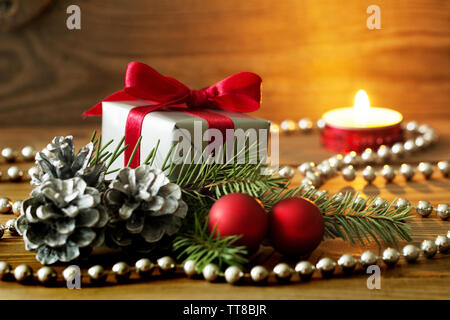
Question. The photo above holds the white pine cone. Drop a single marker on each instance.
(60, 218)
(144, 206)
(58, 160)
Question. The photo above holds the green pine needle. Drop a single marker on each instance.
(382, 224)
(201, 246)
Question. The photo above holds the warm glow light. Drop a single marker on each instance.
(362, 115)
(361, 108)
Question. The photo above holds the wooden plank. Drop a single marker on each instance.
(312, 54)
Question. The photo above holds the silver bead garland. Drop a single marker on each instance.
(258, 274)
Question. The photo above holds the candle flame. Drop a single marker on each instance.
(361, 108)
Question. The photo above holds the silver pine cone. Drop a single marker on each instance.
(144, 206)
(58, 160)
(61, 219)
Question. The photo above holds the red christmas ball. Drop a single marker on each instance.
(296, 226)
(240, 214)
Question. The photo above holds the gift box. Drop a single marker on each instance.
(163, 127)
(155, 110)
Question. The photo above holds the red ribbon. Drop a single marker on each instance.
(240, 92)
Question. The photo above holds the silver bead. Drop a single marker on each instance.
(337, 161)
(379, 203)
(144, 267)
(326, 266)
(397, 150)
(314, 177)
(409, 146)
(9, 154)
(428, 248)
(287, 126)
(384, 153)
(70, 272)
(444, 167)
(424, 208)
(368, 258)
(349, 173)
(426, 169)
(23, 273)
(305, 125)
(259, 274)
(10, 225)
(420, 142)
(16, 207)
(431, 137)
(2, 231)
(368, 156)
(233, 274)
(305, 167)
(407, 171)
(442, 243)
(306, 183)
(358, 203)
(166, 265)
(390, 256)
(320, 124)
(210, 272)
(412, 126)
(442, 211)
(411, 253)
(305, 270)
(14, 174)
(189, 268)
(97, 273)
(352, 158)
(5, 270)
(322, 194)
(286, 172)
(369, 174)
(327, 171)
(337, 198)
(402, 203)
(347, 262)
(283, 272)
(424, 128)
(121, 270)
(5, 205)
(388, 173)
(28, 153)
(33, 171)
(46, 275)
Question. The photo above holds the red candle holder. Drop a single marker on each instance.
(344, 140)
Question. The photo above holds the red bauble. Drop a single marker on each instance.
(296, 226)
(240, 214)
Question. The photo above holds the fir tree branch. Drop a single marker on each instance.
(382, 224)
(201, 246)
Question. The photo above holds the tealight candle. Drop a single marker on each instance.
(361, 126)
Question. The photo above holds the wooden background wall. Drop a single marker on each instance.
(312, 54)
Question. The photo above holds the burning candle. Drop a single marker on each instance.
(361, 126)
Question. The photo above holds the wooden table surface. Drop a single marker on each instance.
(427, 279)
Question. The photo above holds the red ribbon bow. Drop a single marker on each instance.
(240, 92)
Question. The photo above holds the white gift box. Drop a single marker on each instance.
(167, 127)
